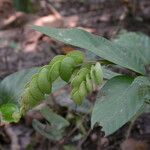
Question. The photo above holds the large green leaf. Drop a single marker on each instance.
(98, 45)
(122, 97)
(136, 42)
(13, 85)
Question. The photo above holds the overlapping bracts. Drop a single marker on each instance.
(70, 69)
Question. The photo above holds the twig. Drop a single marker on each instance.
(53, 10)
(13, 137)
(76, 127)
(83, 140)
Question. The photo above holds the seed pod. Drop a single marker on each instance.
(66, 68)
(77, 56)
(83, 71)
(76, 81)
(53, 73)
(43, 83)
(80, 77)
(36, 93)
(92, 75)
(56, 59)
(98, 73)
(28, 101)
(77, 98)
(74, 74)
(89, 84)
(82, 89)
(73, 91)
(53, 68)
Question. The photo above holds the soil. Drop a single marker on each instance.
(21, 47)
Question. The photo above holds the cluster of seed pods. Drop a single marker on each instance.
(70, 69)
(84, 81)
(41, 82)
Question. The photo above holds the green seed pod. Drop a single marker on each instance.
(53, 68)
(92, 75)
(78, 56)
(53, 73)
(83, 71)
(73, 91)
(37, 94)
(79, 86)
(82, 89)
(89, 84)
(98, 73)
(43, 83)
(76, 81)
(66, 68)
(80, 77)
(77, 98)
(56, 59)
(74, 74)
(28, 101)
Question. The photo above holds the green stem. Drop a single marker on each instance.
(103, 62)
(147, 102)
(130, 127)
(133, 121)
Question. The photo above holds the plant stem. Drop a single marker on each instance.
(130, 127)
(103, 62)
(133, 121)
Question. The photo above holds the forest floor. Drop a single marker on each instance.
(21, 48)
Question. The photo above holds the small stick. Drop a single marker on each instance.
(13, 137)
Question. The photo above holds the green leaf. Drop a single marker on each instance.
(23, 5)
(13, 85)
(108, 74)
(136, 42)
(55, 129)
(90, 56)
(66, 68)
(122, 97)
(77, 56)
(6, 112)
(46, 130)
(98, 45)
(11, 88)
(54, 119)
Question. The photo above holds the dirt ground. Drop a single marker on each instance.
(21, 47)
